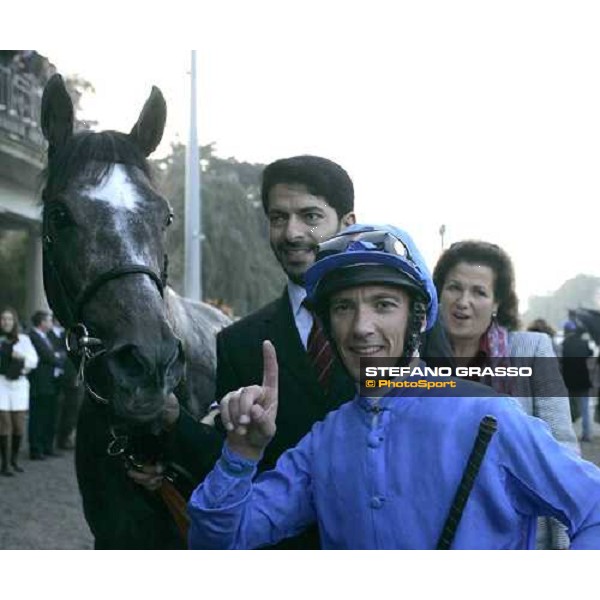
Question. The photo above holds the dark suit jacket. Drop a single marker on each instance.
(302, 401)
(69, 374)
(42, 378)
(575, 371)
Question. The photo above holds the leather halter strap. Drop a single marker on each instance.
(96, 284)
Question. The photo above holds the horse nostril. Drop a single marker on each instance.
(133, 369)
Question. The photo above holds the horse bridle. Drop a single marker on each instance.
(85, 348)
(82, 347)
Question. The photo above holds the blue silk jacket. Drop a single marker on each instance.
(382, 473)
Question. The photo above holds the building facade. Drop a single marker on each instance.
(22, 158)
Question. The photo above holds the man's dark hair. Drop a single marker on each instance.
(492, 256)
(39, 316)
(322, 177)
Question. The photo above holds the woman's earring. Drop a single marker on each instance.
(494, 315)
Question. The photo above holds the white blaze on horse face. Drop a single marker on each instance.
(118, 190)
(123, 200)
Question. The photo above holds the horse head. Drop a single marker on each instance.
(104, 225)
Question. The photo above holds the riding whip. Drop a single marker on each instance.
(487, 428)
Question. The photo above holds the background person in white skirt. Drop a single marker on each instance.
(17, 358)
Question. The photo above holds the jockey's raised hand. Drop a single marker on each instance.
(249, 413)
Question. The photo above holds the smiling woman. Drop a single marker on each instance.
(469, 305)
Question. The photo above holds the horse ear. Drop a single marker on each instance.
(148, 130)
(57, 113)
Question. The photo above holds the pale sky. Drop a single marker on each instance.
(486, 119)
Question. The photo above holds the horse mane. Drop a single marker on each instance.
(92, 154)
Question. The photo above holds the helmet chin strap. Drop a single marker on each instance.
(414, 329)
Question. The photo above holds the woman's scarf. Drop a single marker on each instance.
(494, 351)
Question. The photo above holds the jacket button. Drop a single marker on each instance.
(376, 502)
(374, 441)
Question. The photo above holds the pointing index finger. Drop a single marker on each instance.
(270, 369)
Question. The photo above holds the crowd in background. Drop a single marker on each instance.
(39, 391)
(580, 365)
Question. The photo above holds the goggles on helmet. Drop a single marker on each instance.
(380, 241)
(352, 255)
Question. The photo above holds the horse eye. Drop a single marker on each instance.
(169, 220)
(59, 217)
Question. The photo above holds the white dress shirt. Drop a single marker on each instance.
(302, 316)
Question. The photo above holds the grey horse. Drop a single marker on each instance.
(133, 339)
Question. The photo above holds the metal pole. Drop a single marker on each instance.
(193, 202)
(442, 232)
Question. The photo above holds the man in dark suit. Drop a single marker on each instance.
(307, 200)
(575, 352)
(44, 382)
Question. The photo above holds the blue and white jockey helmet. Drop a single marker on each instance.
(371, 255)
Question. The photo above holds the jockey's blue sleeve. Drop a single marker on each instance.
(229, 511)
(543, 477)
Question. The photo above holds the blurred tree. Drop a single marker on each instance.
(238, 266)
(77, 86)
(13, 254)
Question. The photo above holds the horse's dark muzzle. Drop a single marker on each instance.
(141, 379)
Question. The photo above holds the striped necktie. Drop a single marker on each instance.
(320, 352)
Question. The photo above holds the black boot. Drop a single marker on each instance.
(14, 453)
(5, 471)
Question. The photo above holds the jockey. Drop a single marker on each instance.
(382, 472)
